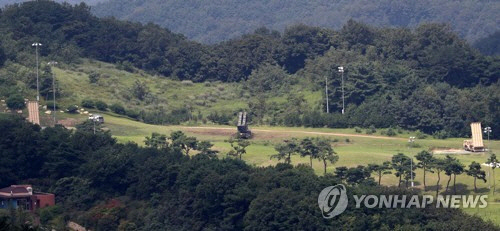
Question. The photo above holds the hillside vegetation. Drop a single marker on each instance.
(425, 78)
(215, 21)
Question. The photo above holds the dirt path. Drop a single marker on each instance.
(296, 132)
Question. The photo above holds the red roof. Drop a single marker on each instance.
(16, 191)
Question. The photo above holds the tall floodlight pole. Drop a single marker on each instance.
(52, 63)
(341, 70)
(326, 95)
(488, 130)
(36, 45)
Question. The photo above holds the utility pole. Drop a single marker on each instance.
(341, 70)
(36, 45)
(488, 130)
(326, 95)
(52, 63)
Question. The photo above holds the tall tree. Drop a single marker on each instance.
(205, 148)
(156, 140)
(308, 148)
(425, 159)
(180, 140)
(239, 147)
(325, 152)
(439, 166)
(476, 172)
(286, 150)
(493, 162)
(380, 169)
(453, 167)
(401, 165)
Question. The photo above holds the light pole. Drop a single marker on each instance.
(52, 63)
(488, 130)
(36, 45)
(326, 95)
(341, 70)
(411, 141)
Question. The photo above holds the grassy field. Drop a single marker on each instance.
(114, 86)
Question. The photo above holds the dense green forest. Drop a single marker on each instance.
(105, 185)
(215, 21)
(426, 78)
(89, 2)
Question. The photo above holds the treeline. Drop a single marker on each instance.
(104, 185)
(211, 22)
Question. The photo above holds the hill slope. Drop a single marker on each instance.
(214, 21)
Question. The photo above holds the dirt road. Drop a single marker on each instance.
(224, 131)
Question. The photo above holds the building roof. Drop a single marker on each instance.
(16, 191)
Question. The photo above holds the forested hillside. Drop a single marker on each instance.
(215, 21)
(427, 78)
(90, 2)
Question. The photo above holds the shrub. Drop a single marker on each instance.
(371, 130)
(72, 109)
(357, 130)
(390, 132)
(420, 135)
(132, 114)
(94, 77)
(100, 105)
(440, 135)
(117, 108)
(15, 102)
(87, 103)
(50, 105)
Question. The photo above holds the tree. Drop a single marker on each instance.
(101, 106)
(325, 152)
(401, 164)
(357, 175)
(308, 148)
(476, 172)
(493, 162)
(180, 140)
(158, 141)
(15, 102)
(205, 148)
(425, 159)
(239, 147)
(286, 150)
(117, 108)
(380, 169)
(439, 165)
(341, 172)
(453, 167)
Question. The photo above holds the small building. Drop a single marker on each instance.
(22, 196)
